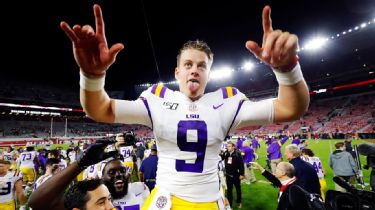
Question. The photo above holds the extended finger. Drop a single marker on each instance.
(115, 49)
(269, 42)
(267, 22)
(69, 32)
(277, 51)
(99, 21)
(254, 48)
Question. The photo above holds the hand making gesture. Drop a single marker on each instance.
(279, 49)
(90, 47)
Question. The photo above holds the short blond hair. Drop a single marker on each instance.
(196, 45)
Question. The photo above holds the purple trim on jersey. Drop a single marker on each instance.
(225, 92)
(162, 92)
(153, 90)
(148, 109)
(234, 90)
(234, 118)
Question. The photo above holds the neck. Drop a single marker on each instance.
(283, 178)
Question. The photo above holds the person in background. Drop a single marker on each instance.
(348, 144)
(52, 167)
(147, 171)
(248, 157)
(343, 165)
(234, 173)
(305, 173)
(296, 140)
(10, 184)
(283, 178)
(274, 151)
(308, 156)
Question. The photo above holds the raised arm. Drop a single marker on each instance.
(279, 50)
(93, 56)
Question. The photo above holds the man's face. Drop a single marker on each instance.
(230, 147)
(288, 154)
(3, 168)
(115, 177)
(192, 73)
(279, 172)
(100, 199)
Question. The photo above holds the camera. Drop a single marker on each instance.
(353, 199)
(129, 138)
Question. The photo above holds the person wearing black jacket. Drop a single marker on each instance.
(304, 171)
(234, 170)
(348, 145)
(284, 178)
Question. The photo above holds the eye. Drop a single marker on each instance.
(188, 65)
(203, 66)
(102, 202)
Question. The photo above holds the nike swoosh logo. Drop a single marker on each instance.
(216, 107)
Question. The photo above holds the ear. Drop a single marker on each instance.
(75, 209)
(176, 72)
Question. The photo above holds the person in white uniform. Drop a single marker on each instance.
(10, 185)
(189, 125)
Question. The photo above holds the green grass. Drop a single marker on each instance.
(263, 196)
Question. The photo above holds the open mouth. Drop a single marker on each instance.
(119, 184)
(193, 80)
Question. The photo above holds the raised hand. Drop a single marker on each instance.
(90, 47)
(279, 49)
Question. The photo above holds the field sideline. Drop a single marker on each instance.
(262, 196)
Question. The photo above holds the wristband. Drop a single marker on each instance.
(91, 84)
(289, 78)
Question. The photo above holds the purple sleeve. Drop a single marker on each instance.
(284, 139)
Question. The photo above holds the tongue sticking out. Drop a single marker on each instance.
(193, 86)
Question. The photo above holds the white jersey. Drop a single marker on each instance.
(26, 159)
(8, 156)
(7, 187)
(127, 152)
(41, 180)
(91, 172)
(137, 194)
(189, 134)
(72, 156)
(316, 163)
(63, 164)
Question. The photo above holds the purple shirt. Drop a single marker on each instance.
(248, 154)
(296, 141)
(255, 143)
(239, 143)
(273, 149)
